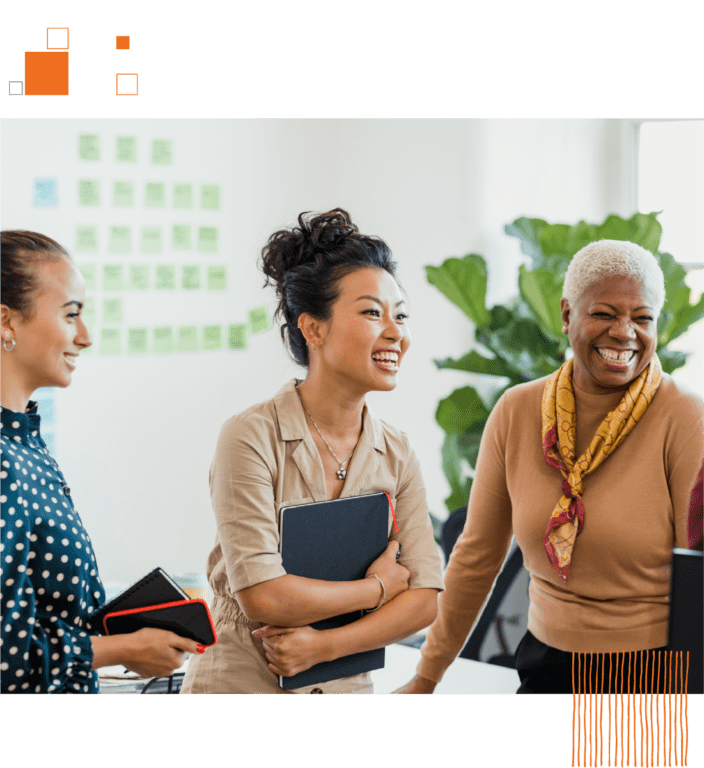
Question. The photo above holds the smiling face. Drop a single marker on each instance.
(365, 339)
(612, 332)
(49, 338)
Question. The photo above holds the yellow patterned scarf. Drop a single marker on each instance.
(559, 427)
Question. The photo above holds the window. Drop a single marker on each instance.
(671, 180)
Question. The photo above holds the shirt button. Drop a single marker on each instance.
(317, 690)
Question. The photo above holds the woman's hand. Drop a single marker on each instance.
(394, 575)
(290, 650)
(154, 652)
(417, 685)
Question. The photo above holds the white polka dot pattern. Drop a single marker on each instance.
(50, 582)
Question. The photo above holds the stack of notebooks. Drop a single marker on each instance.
(156, 601)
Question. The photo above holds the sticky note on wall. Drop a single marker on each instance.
(89, 146)
(113, 279)
(139, 277)
(237, 336)
(163, 340)
(154, 195)
(151, 240)
(123, 193)
(190, 277)
(112, 310)
(88, 192)
(210, 197)
(217, 278)
(88, 311)
(45, 193)
(258, 320)
(181, 237)
(87, 239)
(89, 276)
(110, 341)
(161, 152)
(183, 196)
(207, 239)
(212, 337)
(126, 149)
(165, 277)
(120, 240)
(188, 338)
(137, 341)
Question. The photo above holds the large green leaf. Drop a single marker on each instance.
(473, 362)
(526, 348)
(453, 461)
(643, 229)
(678, 313)
(672, 359)
(461, 410)
(541, 289)
(565, 240)
(528, 232)
(463, 281)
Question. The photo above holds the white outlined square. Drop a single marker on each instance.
(57, 38)
(127, 84)
(16, 88)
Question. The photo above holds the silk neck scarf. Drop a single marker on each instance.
(559, 422)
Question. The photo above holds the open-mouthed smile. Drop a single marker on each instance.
(616, 358)
(386, 359)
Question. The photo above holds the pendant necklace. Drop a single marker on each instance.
(341, 472)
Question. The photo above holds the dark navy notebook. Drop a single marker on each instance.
(687, 612)
(335, 541)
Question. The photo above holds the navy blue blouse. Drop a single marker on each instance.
(50, 582)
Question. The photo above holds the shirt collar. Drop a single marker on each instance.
(19, 424)
(293, 425)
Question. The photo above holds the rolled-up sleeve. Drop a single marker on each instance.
(242, 495)
(419, 552)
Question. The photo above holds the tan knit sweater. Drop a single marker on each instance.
(636, 509)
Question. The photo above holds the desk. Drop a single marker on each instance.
(464, 676)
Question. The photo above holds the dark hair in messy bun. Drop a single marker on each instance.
(306, 262)
(19, 250)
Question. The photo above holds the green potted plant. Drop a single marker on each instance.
(522, 340)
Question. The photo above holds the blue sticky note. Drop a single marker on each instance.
(45, 193)
(47, 411)
(50, 441)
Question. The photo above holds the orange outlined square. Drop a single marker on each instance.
(68, 39)
(57, 38)
(45, 74)
(122, 42)
(117, 89)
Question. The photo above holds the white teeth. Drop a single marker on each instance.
(385, 357)
(616, 357)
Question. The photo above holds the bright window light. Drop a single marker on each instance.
(671, 180)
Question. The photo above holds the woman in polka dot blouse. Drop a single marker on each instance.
(50, 581)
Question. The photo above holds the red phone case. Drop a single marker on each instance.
(195, 624)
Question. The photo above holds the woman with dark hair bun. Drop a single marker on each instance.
(343, 318)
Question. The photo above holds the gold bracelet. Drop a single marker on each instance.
(383, 592)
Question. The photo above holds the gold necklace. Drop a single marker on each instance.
(341, 472)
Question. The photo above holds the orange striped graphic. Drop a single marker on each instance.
(648, 690)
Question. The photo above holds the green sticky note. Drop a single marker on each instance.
(137, 341)
(217, 278)
(112, 310)
(151, 240)
(183, 196)
(88, 146)
(88, 311)
(126, 149)
(258, 320)
(123, 193)
(155, 195)
(110, 341)
(120, 240)
(188, 338)
(139, 277)
(190, 277)
(87, 239)
(210, 196)
(237, 337)
(88, 192)
(163, 340)
(113, 277)
(89, 276)
(207, 239)
(161, 152)
(212, 337)
(181, 237)
(165, 277)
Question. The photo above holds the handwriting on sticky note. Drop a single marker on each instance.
(137, 341)
(188, 338)
(126, 149)
(113, 279)
(165, 277)
(210, 197)
(212, 337)
(112, 310)
(237, 336)
(151, 240)
(45, 193)
(139, 277)
(120, 240)
(88, 146)
(207, 239)
(163, 340)
(258, 319)
(217, 278)
(154, 194)
(190, 277)
(87, 239)
(88, 192)
(162, 152)
(181, 237)
(183, 196)
(123, 193)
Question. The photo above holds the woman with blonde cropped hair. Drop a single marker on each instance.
(590, 469)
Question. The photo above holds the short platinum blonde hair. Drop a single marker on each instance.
(606, 258)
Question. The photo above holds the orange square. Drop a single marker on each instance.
(122, 42)
(68, 39)
(45, 73)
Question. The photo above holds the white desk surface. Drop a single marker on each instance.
(464, 676)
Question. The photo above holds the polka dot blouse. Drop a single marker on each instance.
(50, 582)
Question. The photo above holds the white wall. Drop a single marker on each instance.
(136, 434)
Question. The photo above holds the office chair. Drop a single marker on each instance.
(451, 529)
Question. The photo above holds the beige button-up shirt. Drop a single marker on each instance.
(266, 459)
